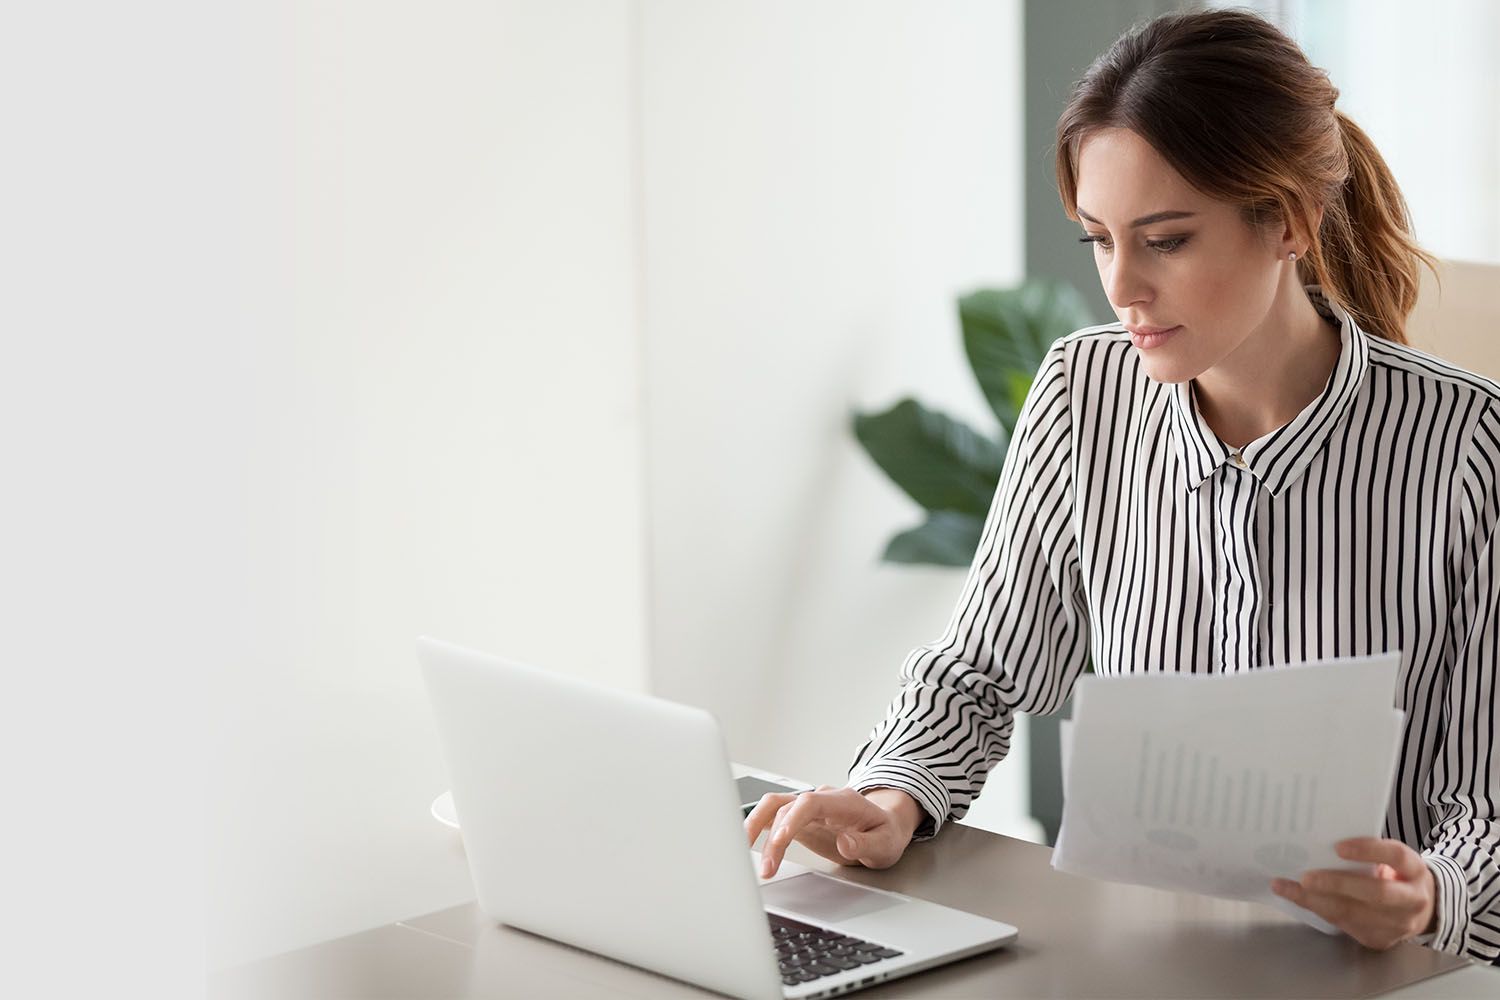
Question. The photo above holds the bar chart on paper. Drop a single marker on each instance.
(1183, 796)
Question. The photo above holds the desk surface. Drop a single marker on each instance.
(1079, 938)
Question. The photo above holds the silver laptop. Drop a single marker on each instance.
(610, 821)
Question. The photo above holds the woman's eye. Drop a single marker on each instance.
(1161, 246)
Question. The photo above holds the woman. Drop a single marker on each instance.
(1250, 468)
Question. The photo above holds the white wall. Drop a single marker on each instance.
(122, 408)
(1435, 122)
(821, 182)
(445, 306)
(478, 237)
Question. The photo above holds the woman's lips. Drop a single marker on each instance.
(1146, 341)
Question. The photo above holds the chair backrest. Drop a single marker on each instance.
(1461, 322)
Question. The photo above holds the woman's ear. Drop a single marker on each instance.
(1294, 238)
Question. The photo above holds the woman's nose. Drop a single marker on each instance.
(1124, 284)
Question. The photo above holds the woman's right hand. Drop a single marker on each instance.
(840, 824)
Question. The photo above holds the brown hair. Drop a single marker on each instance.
(1235, 107)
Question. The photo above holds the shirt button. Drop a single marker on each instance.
(1238, 459)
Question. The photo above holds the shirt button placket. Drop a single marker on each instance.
(1235, 628)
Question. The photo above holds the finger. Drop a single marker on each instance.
(1337, 910)
(870, 848)
(1369, 889)
(765, 812)
(775, 824)
(790, 820)
(781, 815)
(1366, 924)
(852, 846)
(1407, 862)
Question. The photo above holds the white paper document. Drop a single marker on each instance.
(1215, 784)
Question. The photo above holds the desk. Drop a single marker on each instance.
(1079, 938)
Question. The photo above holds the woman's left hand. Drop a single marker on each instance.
(1398, 901)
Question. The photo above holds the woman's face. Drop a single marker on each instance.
(1208, 273)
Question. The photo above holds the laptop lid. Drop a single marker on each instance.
(604, 819)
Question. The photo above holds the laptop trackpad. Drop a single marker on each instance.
(824, 898)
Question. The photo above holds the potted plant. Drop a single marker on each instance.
(952, 470)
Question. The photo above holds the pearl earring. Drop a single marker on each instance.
(1292, 255)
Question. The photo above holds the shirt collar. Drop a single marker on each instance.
(1278, 458)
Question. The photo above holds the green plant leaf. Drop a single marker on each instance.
(1019, 386)
(947, 538)
(941, 463)
(1007, 332)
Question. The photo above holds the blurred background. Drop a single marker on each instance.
(534, 325)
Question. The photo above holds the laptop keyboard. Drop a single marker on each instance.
(805, 952)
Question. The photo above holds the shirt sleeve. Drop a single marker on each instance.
(1464, 846)
(1016, 641)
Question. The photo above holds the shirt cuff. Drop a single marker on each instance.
(1452, 905)
(913, 779)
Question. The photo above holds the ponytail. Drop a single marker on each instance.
(1365, 257)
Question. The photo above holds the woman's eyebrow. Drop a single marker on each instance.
(1144, 220)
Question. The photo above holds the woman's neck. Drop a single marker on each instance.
(1273, 376)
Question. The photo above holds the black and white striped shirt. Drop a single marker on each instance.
(1125, 532)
